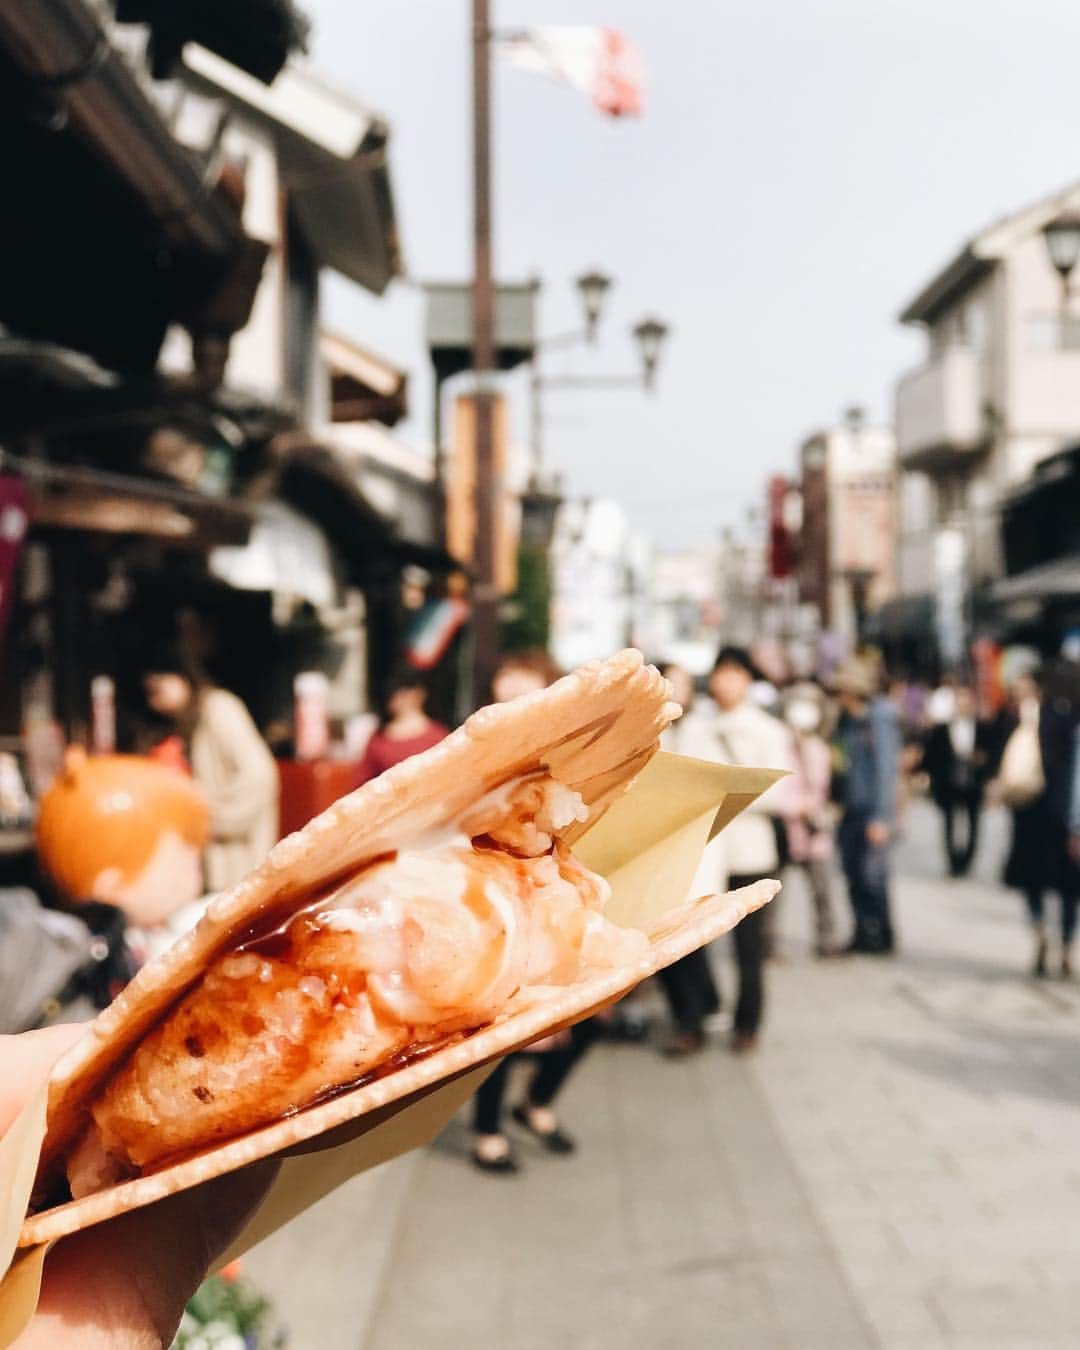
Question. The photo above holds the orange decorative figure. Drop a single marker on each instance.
(122, 829)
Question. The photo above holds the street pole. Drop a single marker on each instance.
(485, 594)
(536, 414)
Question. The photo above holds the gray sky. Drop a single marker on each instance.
(799, 173)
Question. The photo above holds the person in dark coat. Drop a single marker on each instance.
(866, 765)
(1040, 859)
(957, 759)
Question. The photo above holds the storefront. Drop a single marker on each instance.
(1038, 601)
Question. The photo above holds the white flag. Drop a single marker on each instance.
(600, 62)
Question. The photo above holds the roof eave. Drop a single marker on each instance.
(958, 276)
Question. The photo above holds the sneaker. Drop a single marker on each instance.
(744, 1043)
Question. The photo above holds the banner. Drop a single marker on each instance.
(433, 630)
(780, 540)
(600, 62)
(461, 494)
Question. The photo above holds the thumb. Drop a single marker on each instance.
(124, 1283)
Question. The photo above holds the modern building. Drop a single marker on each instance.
(998, 392)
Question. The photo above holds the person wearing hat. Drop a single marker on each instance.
(866, 763)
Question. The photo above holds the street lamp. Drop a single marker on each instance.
(593, 287)
(650, 334)
(1062, 238)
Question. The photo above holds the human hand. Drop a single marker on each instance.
(877, 834)
(1074, 847)
(122, 1285)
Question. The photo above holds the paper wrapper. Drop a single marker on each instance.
(648, 845)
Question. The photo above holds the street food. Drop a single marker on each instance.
(432, 902)
(431, 941)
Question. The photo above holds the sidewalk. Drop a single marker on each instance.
(899, 1166)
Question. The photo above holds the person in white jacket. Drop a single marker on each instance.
(734, 730)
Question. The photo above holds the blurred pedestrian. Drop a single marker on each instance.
(682, 691)
(1035, 781)
(406, 728)
(736, 731)
(519, 674)
(808, 821)
(910, 701)
(942, 701)
(866, 763)
(957, 760)
(688, 984)
(230, 761)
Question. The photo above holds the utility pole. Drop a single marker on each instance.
(484, 591)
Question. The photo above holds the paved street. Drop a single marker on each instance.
(899, 1166)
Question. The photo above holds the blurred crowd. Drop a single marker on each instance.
(130, 848)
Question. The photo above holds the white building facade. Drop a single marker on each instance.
(599, 574)
(998, 393)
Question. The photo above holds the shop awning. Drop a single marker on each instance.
(903, 616)
(332, 155)
(69, 497)
(112, 229)
(287, 554)
(312, 479)
(1057, 580)
(256, 35)
(363, 385)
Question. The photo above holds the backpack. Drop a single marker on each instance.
(55, 965)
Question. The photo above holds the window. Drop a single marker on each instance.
(1043, 333)
(972, 326)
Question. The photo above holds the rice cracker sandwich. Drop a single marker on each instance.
(437, 901)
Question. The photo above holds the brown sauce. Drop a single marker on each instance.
(269, 935)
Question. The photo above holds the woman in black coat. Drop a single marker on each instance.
(1039, 859)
